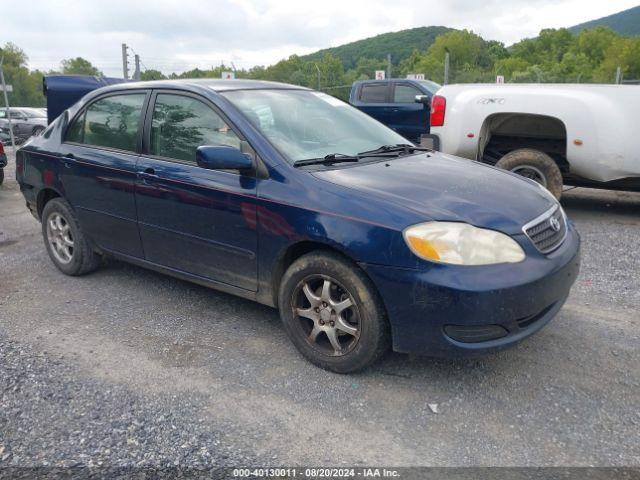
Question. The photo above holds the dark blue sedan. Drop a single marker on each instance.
(295, 199)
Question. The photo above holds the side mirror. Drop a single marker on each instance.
(424, 99)
(222, 158)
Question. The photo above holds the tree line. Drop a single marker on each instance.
(555, 55)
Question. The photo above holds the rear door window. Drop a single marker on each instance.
(111, 122)
(180, 124)
(374, 93)
(404, 93)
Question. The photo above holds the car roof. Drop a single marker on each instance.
(409, 80)
(217, 85)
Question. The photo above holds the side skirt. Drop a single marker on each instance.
(205, 282)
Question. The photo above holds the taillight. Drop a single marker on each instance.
(1, 149)
(438, 106)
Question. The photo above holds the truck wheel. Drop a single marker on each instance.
(66, 244)
(536, 165)
(333, 313)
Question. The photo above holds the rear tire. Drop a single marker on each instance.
(333, 313)
(66, 244)
(1, 175)
(536, 165)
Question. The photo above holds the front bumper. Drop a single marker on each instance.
(497, 305)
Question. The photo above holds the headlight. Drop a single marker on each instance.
(461, 244)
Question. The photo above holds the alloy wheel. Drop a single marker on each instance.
(60, 238)
(327, 314)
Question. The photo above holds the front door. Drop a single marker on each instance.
(408, 118)
(98, 170)
(192, 219)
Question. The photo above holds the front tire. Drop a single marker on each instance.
(66, 244)
(535, 165)
(333, 313)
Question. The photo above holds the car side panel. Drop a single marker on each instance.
(99, 185)
(199, 221)
(379, 111)
(411, 120)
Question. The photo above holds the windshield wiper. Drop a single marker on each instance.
(327, 160)
(333, 158)
(397, 148)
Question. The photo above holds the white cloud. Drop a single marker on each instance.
(177, 35)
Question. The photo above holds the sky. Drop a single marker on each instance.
(173, 36)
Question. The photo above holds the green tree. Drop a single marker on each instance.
(79, 66)
(152, 75)
(624, 53)
(594, 43)
(27, 85)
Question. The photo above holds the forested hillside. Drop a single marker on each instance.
(399, 45)
(626, 22)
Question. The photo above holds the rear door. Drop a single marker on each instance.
(20, 123)
(98, 169)
(408, 118)
(373, 99)
(192, 219)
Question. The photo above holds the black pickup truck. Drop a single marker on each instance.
(401, 104)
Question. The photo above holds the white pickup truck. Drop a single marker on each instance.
(581, 135)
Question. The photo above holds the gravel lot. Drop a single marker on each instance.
(129, 367)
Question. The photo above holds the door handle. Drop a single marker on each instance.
(67, 157)
(147, 175)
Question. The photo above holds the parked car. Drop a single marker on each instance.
(25, 122)
(294, 199)
(401, 104)
(3, 162)
(581, 135)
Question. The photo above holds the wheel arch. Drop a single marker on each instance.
(45, 196)
(295, 251)
(507, 131)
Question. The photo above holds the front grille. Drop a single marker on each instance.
(547, 232)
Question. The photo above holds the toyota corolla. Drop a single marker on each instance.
(294, 199)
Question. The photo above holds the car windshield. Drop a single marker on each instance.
(303, 124)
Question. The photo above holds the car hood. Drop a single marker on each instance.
(447, 188)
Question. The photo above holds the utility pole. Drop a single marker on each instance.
(318, 69)
(6, 104)
(125, 62)
(388, 65)
(618, 75)
(136, 72)
(446, 68)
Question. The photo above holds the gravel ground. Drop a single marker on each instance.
(127, 367)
